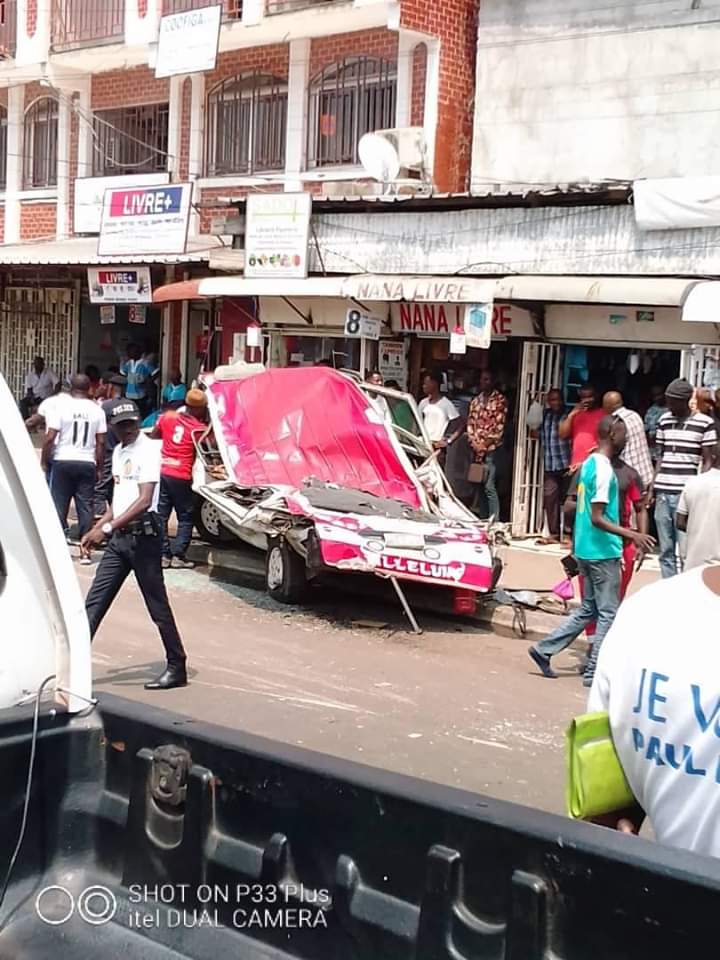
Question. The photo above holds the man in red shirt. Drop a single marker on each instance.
(581, 426)
(177, 429)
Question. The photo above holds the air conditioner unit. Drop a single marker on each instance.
(399, 153)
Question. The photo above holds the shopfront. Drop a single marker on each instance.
(628, 347)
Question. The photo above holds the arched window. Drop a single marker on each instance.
(246, 118)
(3, 147)
(347, 100)
(41, 144)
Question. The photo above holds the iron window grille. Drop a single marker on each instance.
(3, 147)
(246, 120)
(348, 99)
(41, 144)
(232, 9)
(82, 23)
(131, 140)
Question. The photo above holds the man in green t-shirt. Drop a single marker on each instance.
(598, 543)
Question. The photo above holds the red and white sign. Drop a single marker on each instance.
(440, 319)
(119, 285)
(144, 220)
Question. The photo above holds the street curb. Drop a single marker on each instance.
(499, 618)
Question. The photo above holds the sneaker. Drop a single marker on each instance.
(543, 663)
(165, 563)
(180, 563)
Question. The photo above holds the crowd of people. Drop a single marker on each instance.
(126, 470)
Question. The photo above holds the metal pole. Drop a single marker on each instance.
(406, 606)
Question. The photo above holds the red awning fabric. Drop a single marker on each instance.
(183, 290)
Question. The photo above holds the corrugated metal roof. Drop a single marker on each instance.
(81, 251)
(531, 195)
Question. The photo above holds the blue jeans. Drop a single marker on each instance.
(600, 602)
(177, 495)
(490, 490)
(665, 509)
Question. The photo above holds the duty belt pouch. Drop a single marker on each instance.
(145, 526)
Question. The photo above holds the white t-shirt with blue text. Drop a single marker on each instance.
(658, 676)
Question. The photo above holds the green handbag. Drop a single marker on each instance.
(596, 783)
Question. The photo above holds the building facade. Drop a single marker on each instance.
(295, 86)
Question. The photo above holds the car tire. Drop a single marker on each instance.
(285, 573)
(209, 525)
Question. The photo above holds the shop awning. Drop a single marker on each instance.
(363, 287)
(82, 251)
(643, 291)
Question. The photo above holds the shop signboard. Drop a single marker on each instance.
(392, 363)
(119, 284)
(188, 41)
(137, 313)
(277, 232)
(419, 289)
(478, 325)
(440, 319)
(90, 194)
(360, 324)
(145, 220)
(107, 314)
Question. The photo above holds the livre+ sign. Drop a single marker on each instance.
(146, 202)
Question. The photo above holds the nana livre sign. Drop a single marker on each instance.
(440, 319)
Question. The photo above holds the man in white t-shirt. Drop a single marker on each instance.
(437, 411)
(135, 535)
(74, 444)
(658, 677)
(39, 385)
(698, 515)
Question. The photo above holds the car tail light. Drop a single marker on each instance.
(464, 602)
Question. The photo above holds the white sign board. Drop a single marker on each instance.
(392, 364)
(188, 42)
(145, 220)
(359, 324)
(119, 285)
(90, 193)
(277, 231)
(478, 325)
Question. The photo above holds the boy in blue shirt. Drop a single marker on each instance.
(598, 547)
(173, 395)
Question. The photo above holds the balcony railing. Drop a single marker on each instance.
(86, 23)
(291, 6)
(8, 28)
(232, 9)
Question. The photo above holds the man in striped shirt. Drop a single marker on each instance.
(685, 442)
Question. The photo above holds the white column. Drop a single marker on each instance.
(33, 50)
(63, 167)
(85, 139)
(406, 45)
(295, 134)
(174, 125)
(16, 117)
(196, 151)
(432, 89)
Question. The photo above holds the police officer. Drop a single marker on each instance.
(135, 532)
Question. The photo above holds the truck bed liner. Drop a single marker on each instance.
(394, 867)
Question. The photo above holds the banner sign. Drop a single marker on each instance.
(359, 324)
(119, 285)
(188, 42)
(478, 325)
(145, 220)
(277, 231)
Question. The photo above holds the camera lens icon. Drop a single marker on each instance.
(95, 905)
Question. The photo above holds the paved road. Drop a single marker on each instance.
(456, 705)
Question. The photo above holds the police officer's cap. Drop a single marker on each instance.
(124, 410)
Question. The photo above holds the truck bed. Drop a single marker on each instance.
(339, 860)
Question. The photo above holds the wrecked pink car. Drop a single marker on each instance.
(308, 464)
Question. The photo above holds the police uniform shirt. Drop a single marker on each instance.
(137, 463)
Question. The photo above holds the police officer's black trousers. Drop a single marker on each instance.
(141, 555)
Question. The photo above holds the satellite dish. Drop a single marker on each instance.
(379, 157)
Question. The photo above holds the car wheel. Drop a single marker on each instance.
(285, 574)
(209, 524)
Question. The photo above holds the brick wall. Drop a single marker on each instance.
(128, 88)
(2, 223)
(419, 80)
(185, 120)
(210, 206)
(454, 22)
(31, 19)
(38, 221)
(371, 43)
(272, 60)
(142, 8)
(35, 90)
